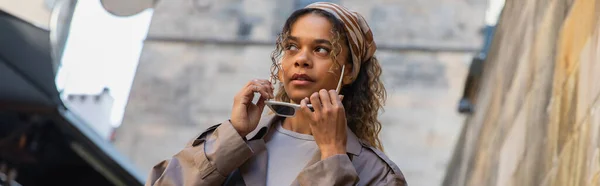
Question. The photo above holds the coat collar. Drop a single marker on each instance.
(353, 145)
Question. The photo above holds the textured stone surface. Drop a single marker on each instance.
(536, 120)
(181, 88)
(429, 22)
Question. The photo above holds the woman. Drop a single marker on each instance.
(333, 142)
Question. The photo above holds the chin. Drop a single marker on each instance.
(298, 95)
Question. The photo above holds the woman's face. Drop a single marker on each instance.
(306, 63)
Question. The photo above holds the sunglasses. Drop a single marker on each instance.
(285, 109)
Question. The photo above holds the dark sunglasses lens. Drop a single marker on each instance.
(283, 110)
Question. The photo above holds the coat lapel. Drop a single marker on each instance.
(353, 145)
(254, 170)
(353, 148)
(263, 127)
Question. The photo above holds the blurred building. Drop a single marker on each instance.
(94, 109)
(535, 119)
(198, 53)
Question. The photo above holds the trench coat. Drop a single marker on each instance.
(220, 156)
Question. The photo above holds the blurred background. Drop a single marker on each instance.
(102, 90)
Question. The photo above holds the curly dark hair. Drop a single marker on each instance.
(363, 98)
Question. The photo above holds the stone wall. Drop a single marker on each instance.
(536, 120)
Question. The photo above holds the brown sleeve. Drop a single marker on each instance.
(206, 160)
(393, 175)
(339, 170)
(335, 170)
(391, 178)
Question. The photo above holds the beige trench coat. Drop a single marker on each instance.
(220, 156)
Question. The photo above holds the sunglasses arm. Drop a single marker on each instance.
(339, 86)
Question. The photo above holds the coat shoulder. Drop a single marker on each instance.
(373, 157)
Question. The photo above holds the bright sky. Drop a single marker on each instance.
(102, 51)
(492, 13)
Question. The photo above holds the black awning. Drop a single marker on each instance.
(26, 71)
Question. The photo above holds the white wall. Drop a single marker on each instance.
(94, 109)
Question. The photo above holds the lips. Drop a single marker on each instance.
(301, 80)
(301, 77)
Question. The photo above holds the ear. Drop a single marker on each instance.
(347, 80)
(347, 75)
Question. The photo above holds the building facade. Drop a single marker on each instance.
(94, 109)
(536, 119)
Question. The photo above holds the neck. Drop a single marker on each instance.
(297, 125)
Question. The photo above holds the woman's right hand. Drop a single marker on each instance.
(245, 114)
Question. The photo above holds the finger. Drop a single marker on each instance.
(341, 97)
(316, 103)
(272, 90)
(267, 84)
(262, 89)
(305, 110)
(262, 81)
(336, 101)
(245, 95)
(325, 100)
(249, 93)
(261, 103)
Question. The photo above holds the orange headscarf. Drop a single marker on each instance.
(358, 32)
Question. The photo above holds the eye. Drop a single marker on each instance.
(322, 51)
(291, 47)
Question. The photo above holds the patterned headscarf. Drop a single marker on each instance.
(358, 33)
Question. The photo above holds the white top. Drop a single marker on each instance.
(288, 153)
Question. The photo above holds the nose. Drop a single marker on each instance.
(303, 59)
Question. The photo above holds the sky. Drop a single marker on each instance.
(102, 50)
(492, 13)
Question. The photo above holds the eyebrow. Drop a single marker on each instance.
(317, 41)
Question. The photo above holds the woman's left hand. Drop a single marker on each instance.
(327, 122)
